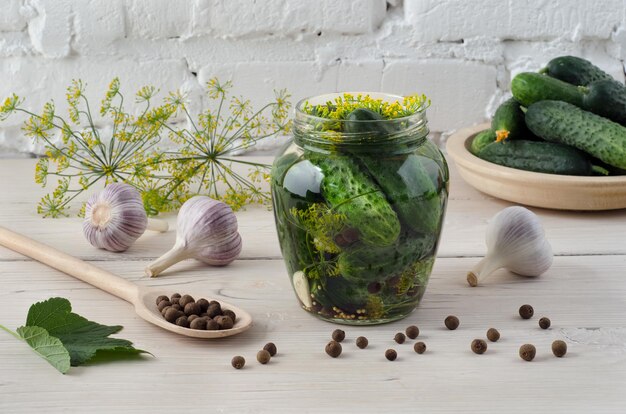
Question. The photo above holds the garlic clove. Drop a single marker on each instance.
(301, 287)
(157, 225)
(515, 241)
(206, 231)
(115, 218)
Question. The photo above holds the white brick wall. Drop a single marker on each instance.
(461, 53)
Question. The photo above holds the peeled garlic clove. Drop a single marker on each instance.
(301, 287)
(206, 231)
(515, 241)
(115, 218)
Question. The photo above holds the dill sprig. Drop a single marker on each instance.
(78, 153)
(322, 223)
(205, 159)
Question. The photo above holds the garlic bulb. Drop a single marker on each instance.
(515, 241)
(206, 231)
(115, 218)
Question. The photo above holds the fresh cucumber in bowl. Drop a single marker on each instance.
(539, 156)
(564, 123)
(529, 87)
(508, 121)
(574, 70)
(481, 140)
(607, 98)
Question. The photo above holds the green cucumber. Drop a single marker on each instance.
(341, 293)
(351, 192)
(574, 70)
(544, 157)
(564, 123)
(529, 88)
(364, 121)
(508, 121)
(607, 98)
(374, 264)
(481, 140)
(410, 189)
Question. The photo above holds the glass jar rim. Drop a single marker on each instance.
(324, 134)
(328, 97)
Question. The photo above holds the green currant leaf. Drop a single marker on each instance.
(50, 348)
(82, 338)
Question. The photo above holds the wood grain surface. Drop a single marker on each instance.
(584, 294)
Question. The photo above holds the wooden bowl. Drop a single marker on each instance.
(561, 192)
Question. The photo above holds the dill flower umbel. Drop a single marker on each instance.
(84, 155)
(343, 105)
(202, 162)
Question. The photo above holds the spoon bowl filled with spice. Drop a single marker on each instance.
(225, 319)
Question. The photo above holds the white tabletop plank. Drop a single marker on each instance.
(584, 294)
(463, 234)
(584, 297)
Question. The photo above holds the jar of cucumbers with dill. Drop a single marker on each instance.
(359, 198)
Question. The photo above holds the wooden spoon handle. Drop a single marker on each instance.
(81, 270)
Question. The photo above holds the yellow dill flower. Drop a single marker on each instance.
(343, 105)
(41, 171)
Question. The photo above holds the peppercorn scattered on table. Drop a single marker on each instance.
(583, 295)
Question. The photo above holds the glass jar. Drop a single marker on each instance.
(359, 205)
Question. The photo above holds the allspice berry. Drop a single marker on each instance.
(559, 348)
(238, 362)
(391, 354)
(526, 311)
(163, 304)
(211, 325)
(185, 299)
(161, 298)
(199, 324)
(452, 322)
(544, 323)
(419, 347)
(263, 356)
(412, 331)
(172, 314)
(527, 352)
(399, 338)
(333, 348)
(224, 322)
(192, 308)
(214, 310)
(203, 303)
(338, 335)
(271, 348)
(362, 342)
(479, 346)
(190, 318)
(175, 298)
(230, 314)
(182, 321)
(493, 335)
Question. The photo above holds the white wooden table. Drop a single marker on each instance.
(584, 294)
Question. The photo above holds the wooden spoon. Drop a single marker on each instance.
(143, 299)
